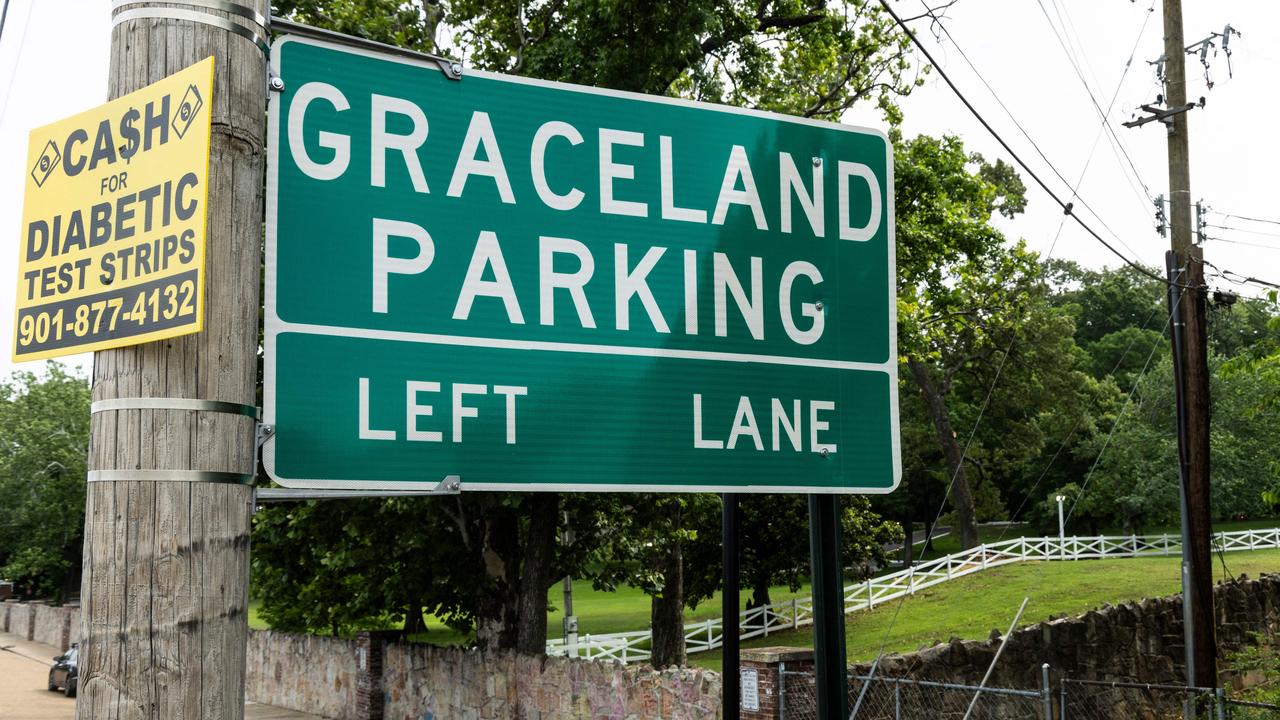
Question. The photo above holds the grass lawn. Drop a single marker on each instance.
(972, 606)
(628, 608)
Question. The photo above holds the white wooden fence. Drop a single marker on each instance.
(706, 635)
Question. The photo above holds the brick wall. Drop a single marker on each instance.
(767, 664)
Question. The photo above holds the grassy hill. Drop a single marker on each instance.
(972, 606)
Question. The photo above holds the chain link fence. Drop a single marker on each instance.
(886, 698)
(1092, 700)
(1245, 710)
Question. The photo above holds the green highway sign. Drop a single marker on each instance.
(539, 286)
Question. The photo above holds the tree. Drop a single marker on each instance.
(804, 58)
(790, 56)
(945, 199)
(44, 421)
(1136, 481)
(775, 546)
(652, 536)
(1119, 315)
(1105, 301)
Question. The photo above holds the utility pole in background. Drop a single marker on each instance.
(1191, 357)
(166, 549)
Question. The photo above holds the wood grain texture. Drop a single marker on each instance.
(167, 563)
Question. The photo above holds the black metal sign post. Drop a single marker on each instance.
(828, 607)
(729, 671)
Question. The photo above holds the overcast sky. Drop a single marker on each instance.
(53, 64)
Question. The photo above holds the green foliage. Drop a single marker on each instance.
(944, 199)
(976, 313)
(1063, 346)
(646, 530)
(1136, 481)
(775, 546)
(790, 56)
(339, 566)
(44, 423)
(1257, 667)
(1106, 301)
(408, 24)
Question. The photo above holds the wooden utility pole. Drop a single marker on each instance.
(1194, 439)
(166, 553)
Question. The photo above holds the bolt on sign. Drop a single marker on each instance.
(113, 222)
(540, 286)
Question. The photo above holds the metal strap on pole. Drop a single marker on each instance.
(190, 476)
(247, 13)
(156, 403)
(181, 404)
(202, 17)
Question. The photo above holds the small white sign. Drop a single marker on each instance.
(750, 686)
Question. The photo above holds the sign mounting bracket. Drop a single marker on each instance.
(450, 485)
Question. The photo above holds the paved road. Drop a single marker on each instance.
(23, 693)
(24, 666)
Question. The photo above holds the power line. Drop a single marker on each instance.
(1067, 208)
(1242, 279)
(4, 14)
(1112, 138)
(1013, 335)
(1245, 217)
(1264, 246)
(1243, 230)
(17, 58)
(942, 26)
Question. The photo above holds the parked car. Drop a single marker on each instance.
(65, 672)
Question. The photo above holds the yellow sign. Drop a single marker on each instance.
(114, 221)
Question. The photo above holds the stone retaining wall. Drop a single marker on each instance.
(50, 625)
(37, 622)
(307, 673)
(422, 681)
(369, 678)
(17, 619)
